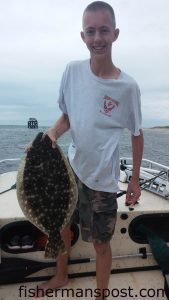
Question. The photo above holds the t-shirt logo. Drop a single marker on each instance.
(108, 105)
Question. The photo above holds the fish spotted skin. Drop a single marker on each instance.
(47, 191)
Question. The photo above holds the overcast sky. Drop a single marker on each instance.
(39, 37)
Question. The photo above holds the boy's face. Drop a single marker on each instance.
(98, 32)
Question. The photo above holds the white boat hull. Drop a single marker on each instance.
(131, 253)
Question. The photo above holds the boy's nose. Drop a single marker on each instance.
(97, 36)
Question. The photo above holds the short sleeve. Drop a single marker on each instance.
(134, 122)
(61, 101)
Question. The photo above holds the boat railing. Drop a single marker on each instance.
(9, 165)
(146, 163)
(154, 177)
(9, 159)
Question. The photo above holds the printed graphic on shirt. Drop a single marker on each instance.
(108, 104)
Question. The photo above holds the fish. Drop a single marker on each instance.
(47, 191)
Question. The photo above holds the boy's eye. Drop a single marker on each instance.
(90, 32)
(104, 30)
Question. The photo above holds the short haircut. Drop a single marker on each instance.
(99, 5)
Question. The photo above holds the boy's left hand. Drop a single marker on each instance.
(133, 192)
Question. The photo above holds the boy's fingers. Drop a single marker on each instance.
(53, 144)
(28, 147)
(51, 138)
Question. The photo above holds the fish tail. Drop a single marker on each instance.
(54, 247)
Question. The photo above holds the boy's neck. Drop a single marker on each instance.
(104, 68)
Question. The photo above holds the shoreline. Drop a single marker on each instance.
(164, 129)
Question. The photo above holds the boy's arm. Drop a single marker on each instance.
(54, 132)
(60, 127)
(134, 191)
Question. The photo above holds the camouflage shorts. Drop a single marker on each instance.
(97, 214)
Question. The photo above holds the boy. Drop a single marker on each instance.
(98, 101)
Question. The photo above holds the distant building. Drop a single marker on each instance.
(32, 123)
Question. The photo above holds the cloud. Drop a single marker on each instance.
(155, 108)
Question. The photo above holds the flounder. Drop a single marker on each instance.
(47, 191)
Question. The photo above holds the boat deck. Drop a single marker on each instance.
(133, 285)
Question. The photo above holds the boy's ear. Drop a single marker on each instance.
(82, 36)
(116, 34)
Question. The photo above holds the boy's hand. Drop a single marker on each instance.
(28, 147)
(133, 192)
(52, 135)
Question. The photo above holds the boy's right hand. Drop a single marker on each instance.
(28, 147)
(52, 135)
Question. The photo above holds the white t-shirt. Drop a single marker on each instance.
(98, 110)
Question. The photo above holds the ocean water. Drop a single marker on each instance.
(14, 138)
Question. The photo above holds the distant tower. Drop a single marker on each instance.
(32, 123)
